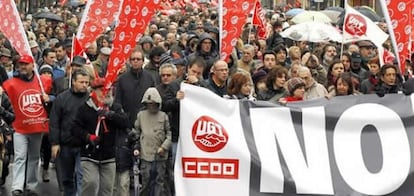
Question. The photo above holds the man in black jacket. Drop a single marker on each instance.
(65, 147)
(132, 85)
(173, 95)
(96, 123)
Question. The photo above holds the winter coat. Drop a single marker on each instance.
(129, 91)
(172, 104)
(209, 57)
(368, 85)
(123, 151)
(154, 71)
(381, 89)
(218, 90)
(63, 113)
(272, 94)
(85, 123)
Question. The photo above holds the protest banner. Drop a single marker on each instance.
(351, 145)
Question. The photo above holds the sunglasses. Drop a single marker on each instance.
(135, 59)
(166, 75)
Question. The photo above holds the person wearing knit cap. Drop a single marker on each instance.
(296, 88)
(259, 80)
(46, 69)
(146, 43)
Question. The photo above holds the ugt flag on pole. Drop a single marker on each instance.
(358, 27)
(259, 20)
(133, 20)
(234, 15)
(99, 14)
(12, 27)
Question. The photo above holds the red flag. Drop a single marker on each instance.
(77, 49)
(12, 27)
(235, 14)
(400, 18)
(259, 20)
(99, 15)
(133, 20)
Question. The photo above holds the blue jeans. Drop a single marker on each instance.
(69, 163)
(26, 151)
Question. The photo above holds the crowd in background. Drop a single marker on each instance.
(139, 120)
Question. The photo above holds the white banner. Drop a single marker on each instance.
(355, 145)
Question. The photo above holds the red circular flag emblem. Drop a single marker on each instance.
(355, 25)
(209, 135)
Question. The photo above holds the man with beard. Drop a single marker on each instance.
(328, 55)
(313, 89)
(30, 123)
(96, 124)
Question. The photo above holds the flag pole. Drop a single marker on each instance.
(220, 12)
(343, 37)
(26, 44)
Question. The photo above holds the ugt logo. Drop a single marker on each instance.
(209, 135)
(30, 103)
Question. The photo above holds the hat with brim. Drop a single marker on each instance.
(365, 44)
(5, 52)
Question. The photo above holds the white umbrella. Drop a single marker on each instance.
(311, 16)
(312, 32)
(332, 14)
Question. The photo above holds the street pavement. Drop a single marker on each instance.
(44, 189)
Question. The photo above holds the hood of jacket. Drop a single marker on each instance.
(203, 37)
(152, 95)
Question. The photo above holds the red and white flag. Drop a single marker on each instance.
(12, 27)
(133, 21)
(399, 13)
(99, 14)
(234, 15)
(358, 27)
(259, 20)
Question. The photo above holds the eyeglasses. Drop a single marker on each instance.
(166, 75)
(135, 59)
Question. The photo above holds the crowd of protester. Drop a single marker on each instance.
(93, 135)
